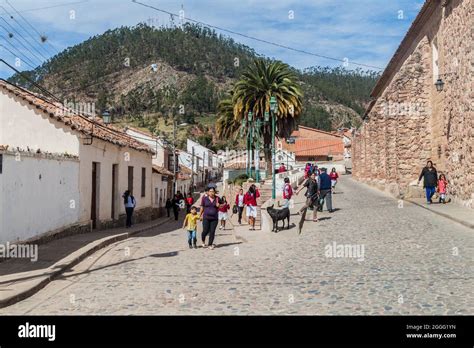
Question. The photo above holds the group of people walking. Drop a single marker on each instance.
(319, 189)
(213, 212)
(432, 183)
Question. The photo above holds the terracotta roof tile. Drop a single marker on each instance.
(315, 147)
(162, 170)
(74, 121)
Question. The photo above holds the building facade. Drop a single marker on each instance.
(64, 171)
(310, 144)
(422, 106)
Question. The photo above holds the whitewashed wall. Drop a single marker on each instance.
(29, 127)
(108, 154)
(38, 195)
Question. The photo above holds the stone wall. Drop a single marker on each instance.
(411, 122)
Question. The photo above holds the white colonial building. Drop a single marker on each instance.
(60, 170)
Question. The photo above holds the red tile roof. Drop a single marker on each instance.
(74, 121)
(296, 133)
(315, 147)
(161, 170)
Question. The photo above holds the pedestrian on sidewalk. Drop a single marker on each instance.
(430, 180)
(312, 196)
(130, 204)
(442, 189)
(239, 202)
(250, 200)
(189, 202)
(175, 205)
(325, 190)
(190, 224)
(168, 206)
(334, 176)
(287, 193)
(209, 217)
(223, 209)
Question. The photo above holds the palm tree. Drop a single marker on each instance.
(260, 81)
(227, 125)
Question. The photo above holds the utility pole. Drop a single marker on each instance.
(192, 171)
(273, 115)
(174, 157)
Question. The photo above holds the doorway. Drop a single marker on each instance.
(95, 193)
(114, 190)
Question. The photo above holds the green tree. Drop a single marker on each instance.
(260, 81)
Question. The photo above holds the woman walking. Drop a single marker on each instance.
(223, 208)
(430, 180)
(239, 202)
(334, 176)
(312, 199)
(250, 200)
(130, 204)
(209, 217)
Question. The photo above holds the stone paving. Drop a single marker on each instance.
(413, 262)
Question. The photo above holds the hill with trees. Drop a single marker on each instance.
(147, 75)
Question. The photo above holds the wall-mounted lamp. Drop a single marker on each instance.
(439, 85)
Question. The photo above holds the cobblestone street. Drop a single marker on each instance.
(414, 262)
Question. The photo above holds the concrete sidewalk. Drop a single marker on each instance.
(452, 211)
(21, 278)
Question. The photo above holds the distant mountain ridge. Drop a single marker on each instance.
(146, 70)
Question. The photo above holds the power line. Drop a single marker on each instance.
(19, 54)
(34, 29)
(16, 55)
(23, 37)
(21, 43)
(48, 7)
(26, 31)
(44, 90)
(257, 39)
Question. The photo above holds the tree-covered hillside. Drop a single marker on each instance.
(198, 66)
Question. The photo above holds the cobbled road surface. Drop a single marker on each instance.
(413, 262)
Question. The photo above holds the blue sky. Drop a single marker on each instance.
(363, 31)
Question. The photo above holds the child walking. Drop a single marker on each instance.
(442, 188)
(190, 224)
(223, 209)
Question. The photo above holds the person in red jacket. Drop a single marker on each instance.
(189, 202)
(223, 209)
(250, 200)
(334, 176)
(282, 168)
(287, 193)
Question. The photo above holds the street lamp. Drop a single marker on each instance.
(439, 85)
(106, 117)
(257, 150)
(249, 144)
(273, 110)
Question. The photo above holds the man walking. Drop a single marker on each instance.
(325, 190)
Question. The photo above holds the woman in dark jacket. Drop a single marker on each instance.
(430, 180)
(209, 217)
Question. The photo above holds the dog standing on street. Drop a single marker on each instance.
(277, 215)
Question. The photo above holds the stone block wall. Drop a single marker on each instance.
(411, 122)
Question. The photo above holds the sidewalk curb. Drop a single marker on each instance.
(70, 261)
(462, 222)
